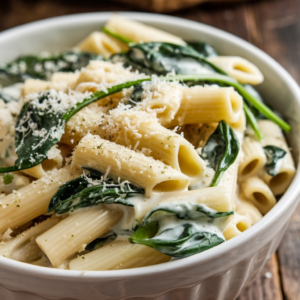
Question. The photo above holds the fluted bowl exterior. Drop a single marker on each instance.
(217, 274)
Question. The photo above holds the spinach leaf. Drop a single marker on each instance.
(162, 58)
(203, 48)
(137, 93)
(6, 98)
(37, 130)
(90, 190)
(42, 67)
(102, 241)
(221, 150)
(274, 156)
(182, 229)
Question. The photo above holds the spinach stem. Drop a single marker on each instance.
(99, 95)
(119, 37)
(10, 169)
(252, 121)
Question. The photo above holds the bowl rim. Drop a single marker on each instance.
(280, 208)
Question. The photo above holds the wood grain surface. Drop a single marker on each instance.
(273, 26)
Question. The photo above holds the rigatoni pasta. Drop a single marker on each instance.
(134, 149)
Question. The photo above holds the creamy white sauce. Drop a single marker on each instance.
(205, 181)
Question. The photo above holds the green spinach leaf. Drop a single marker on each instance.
(42, 67)
(38, 128)
(137, 94)
(203, 48)
(90, 190)
(274, 159)
(221, 150)
(162, 58)
(182, 229)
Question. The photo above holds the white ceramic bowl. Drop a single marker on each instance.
(217, 274)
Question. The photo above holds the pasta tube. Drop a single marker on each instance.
(77, 230)
(118, 255)
(36, 86)
(32, 200)
(237, 225)
(229, 181)
(240, 125)
(54, 161)
(273, 136)
(254, 158)
(101, 43)
(138, 32)
(247, 209)
(163, 98)
(207, 104)
(23, 247)
(239, 68)
(140, 170)
(136, 130)
(259, 194)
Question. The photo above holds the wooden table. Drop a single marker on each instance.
(273, 26)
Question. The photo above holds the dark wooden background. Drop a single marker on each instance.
(273, 26)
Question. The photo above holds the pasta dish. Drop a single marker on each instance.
(135, 148)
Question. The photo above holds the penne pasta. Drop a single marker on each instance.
(101, 43)
(70, 235)
(254, 158)
(208, 104)
(23, 247)
(239, 68)
(32, 200)
(118, 255)
(259, 194)
(143, 171)
(247, 209)
(237, 225)
(273, 136)
(137, 32)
